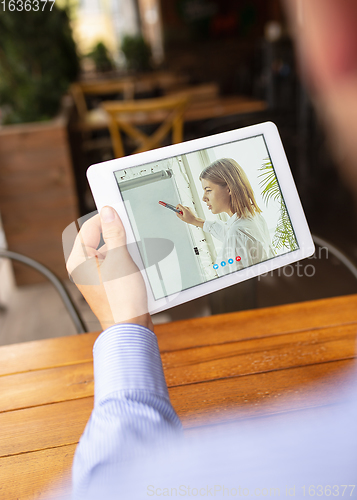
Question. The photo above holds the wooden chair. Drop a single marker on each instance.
(127, 117)
(92, 121)
(95, 119)
(56, 282)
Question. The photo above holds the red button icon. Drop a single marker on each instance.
(238, 258)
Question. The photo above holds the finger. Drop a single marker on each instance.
(103, 250)
(90, 232)
(112, 228)
(85, 244)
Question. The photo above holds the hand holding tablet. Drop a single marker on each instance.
(241, 214)
(121, 298)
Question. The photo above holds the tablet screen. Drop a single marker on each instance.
(205, 214)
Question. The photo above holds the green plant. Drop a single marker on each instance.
(101, 58)
(137, 53)
(38, 61)
(284, 235)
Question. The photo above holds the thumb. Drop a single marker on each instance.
(112, 228)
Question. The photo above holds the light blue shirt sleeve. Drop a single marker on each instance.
(130, 448)
(132, 409)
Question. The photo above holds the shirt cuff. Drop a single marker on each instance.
(127, 357)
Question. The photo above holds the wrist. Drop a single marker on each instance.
(143, 320)
(199, 222)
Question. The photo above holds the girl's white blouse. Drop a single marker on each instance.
(244, 237)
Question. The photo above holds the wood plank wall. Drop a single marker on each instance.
(37, 193)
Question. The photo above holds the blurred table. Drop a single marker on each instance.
(125, 88)
(204, 108)
(225, 367)
(221, 106)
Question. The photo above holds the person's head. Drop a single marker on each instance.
(326, 39)
(227, 189)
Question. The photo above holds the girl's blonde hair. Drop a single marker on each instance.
(227, 172)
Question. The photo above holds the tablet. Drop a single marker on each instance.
(205, 214)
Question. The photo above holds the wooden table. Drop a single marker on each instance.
(197, 110)
(220, 107)
(233, 366)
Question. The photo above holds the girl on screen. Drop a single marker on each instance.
(245, 236)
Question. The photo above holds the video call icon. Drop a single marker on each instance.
(230, 261)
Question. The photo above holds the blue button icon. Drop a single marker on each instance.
(215, 266)
(223, 263)
(230, 261)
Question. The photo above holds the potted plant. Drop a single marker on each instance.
(101, 58)
(137, 53)
(38, 61)
(284, 235)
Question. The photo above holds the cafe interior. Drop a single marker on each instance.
(233, 64)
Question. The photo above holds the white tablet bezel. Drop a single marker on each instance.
(105, 191)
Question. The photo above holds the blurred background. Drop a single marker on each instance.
(67, 76)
